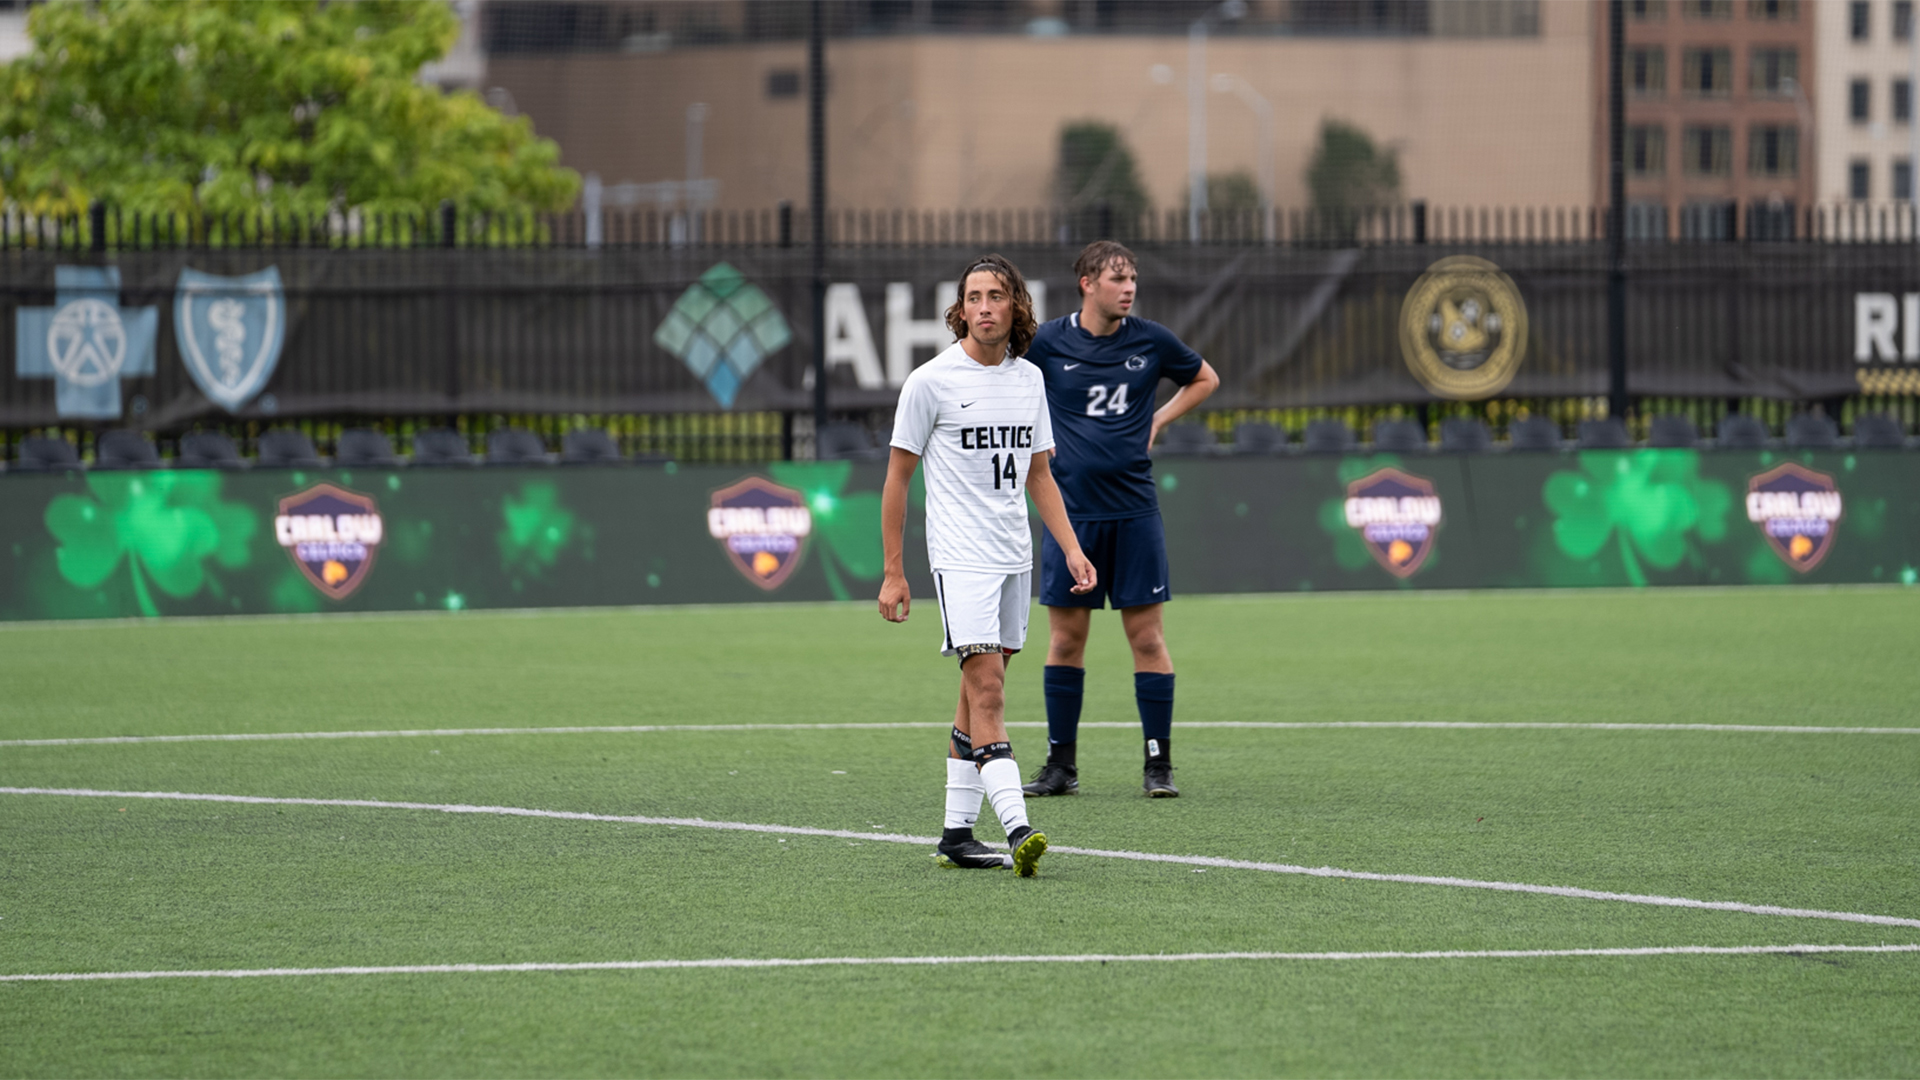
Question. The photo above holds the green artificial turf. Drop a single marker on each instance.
(1820, 821)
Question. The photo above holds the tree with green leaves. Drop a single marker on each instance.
(1096, 170)
(1349, 175)
(206, 109)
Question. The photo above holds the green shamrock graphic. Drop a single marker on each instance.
(537, 528)
(165, 523)
(1650, 499)
(847, 527)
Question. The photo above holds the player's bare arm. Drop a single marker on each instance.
(1053, 512)
(896, 600)
(1185, 400)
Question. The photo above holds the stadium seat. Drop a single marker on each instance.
(123, 449)
(1878, 431)
(1534, 433)
(438, 447)
(285, 448)
(1671, 431)
(1327, 437)
(846, 442)
(1738, 431)
(1812, 431)
(1608, 434)
(589, 446)
(1187, 440)
(1259, 437)
(1399, 436)
(1465, 435)
(39, 453)
(364, 448)
(207, 450)
(516, 446)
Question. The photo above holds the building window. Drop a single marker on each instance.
(1647, 72)
(1902, 179)
(1707, 9)
(1859, 173)
(1858, 25)
(1646, 151)
(1902, 20)
(1646, 221)
(783, 83)
(1708, 151)
(1773, 150)
(1773, 10)
(1708, 72)
(1769, 71)
(1707, 220)
(1771, 220)
(1859, 94)
(1647, 10)
(1902, 101)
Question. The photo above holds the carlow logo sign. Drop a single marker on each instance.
(763, 527)
(1396, 514)
(1796, 510)
(332, 535)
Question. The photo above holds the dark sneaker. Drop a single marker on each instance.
(971, 855)
(1054, 779)
(1159, 780)
(1028, 845)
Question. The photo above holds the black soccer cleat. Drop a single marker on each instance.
(1158, 780)
(970, 854)
(1054, 779)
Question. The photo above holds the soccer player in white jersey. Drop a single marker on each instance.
(977, 415)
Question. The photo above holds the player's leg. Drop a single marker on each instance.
(964, 790)
(1141, 588)
(1064, 679)
(986, 672)
(1152, 695)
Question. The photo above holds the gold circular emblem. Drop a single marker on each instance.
(1463, 328)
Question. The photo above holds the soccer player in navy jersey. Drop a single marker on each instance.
(1102, 367)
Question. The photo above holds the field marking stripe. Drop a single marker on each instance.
(640, 729)
(941, 961)
(902, 838)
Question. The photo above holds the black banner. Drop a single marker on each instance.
(707, 329)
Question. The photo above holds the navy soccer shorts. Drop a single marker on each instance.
(1130, 555)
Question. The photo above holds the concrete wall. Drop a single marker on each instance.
(969, 121)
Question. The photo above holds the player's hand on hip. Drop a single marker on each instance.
(1084, 575)
(896, 600)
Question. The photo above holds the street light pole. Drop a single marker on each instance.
(1263, 110)
(1196, 127)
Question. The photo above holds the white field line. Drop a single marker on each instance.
(926, 841)
(641, 729)
(943, 961)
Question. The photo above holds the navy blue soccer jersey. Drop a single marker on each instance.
(1100, 394)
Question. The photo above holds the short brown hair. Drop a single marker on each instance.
(1023, 322)
(1097, 256)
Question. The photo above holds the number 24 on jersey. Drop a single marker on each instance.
(1107, 400)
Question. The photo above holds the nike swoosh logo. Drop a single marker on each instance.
(1160, 588)
(966, 404)
(1068, 367)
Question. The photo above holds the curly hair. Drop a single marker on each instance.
(1009, 275)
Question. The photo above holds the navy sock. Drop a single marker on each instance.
(1153, 694)
(1064, 687)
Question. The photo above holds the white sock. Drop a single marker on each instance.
(965, 790)
(1002, 778)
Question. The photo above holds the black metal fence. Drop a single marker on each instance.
(553, 322)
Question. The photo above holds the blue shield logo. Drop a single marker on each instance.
(230, 331)
(86, 342)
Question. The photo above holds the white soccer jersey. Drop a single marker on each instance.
(976, 429)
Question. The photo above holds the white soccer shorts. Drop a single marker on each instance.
(983, 608)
